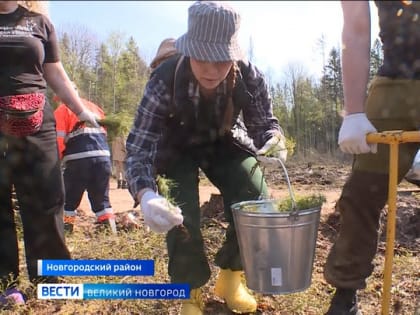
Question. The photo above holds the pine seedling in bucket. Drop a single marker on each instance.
(277, 240)
(301, 203)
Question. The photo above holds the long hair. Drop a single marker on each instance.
(228, 116)
(36, 6)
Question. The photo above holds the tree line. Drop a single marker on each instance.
(113, 74)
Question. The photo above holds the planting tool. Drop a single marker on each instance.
(393, 138)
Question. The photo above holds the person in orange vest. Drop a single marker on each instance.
(87, 164)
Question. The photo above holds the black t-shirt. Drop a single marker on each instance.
(27, 41)
(399, 23)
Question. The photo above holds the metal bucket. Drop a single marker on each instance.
(277, 248)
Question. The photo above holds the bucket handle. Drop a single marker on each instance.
(266, 161)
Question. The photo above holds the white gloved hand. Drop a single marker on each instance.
(352, 135)
(159, 214)
(275, 147)
(89, 117)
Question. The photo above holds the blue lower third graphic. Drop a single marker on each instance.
(96, 267)
(96, 291)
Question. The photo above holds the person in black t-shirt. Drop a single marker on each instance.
(29, 159)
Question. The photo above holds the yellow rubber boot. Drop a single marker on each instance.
(195, 304)
(230, 288)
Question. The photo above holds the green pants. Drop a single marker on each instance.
(391, 105)
(233, 172)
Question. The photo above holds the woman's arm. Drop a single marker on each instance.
(57, 79)
(142, 141)
(355, 54)
(258, 115)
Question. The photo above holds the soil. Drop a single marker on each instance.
(305, 179)
(327, 180)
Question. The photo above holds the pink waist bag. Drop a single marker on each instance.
(21, 115)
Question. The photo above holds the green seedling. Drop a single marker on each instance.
(286, 205)
(302, 203)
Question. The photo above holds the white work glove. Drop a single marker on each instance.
(158, 213)
(352, 135)
(89, 117)
(275, 147)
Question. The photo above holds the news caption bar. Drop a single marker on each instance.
(94, 267)
(89, 291)
(100, 291)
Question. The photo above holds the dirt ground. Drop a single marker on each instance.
(122, 201)
(305, 178)
(325, 178)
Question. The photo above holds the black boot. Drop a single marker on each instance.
(344, 302)
(119, 184)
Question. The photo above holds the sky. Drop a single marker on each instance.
(282, 33)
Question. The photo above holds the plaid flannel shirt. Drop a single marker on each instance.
(149, 125)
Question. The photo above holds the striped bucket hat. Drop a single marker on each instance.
(212, 33)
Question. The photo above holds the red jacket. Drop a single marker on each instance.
(88, 138)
